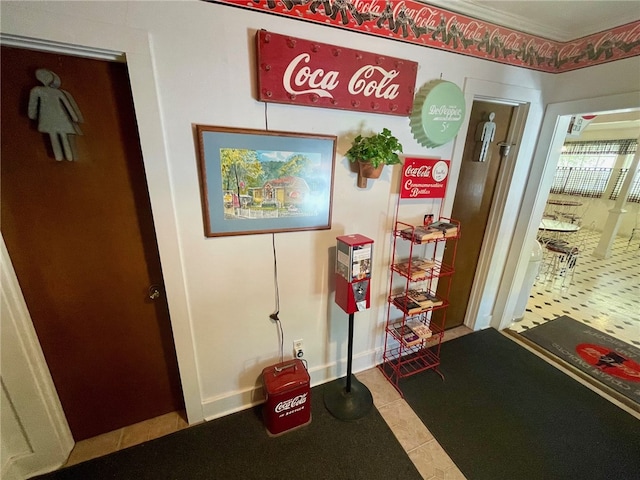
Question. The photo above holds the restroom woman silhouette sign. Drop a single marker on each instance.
(57, 113)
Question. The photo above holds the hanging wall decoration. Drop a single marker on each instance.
(438, 113)
(578, 124)
(424, 178)
(264, 181)
(57, 113)
(302, 72)
(419, 23)
(485, 132)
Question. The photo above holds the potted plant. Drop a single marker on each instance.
(374, 152)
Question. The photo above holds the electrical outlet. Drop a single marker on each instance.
(298, 348)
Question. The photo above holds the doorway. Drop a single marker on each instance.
(613, 312)
(479, 174)
(82, 241)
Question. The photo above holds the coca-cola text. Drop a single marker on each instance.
(369, 80)
(291, 403)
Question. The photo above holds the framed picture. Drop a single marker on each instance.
(261, 181)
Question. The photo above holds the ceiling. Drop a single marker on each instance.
(627, 121)
(562, 20)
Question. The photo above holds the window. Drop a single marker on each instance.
(634, 191)
(591, 168)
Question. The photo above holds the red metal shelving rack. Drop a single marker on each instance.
(400, 359)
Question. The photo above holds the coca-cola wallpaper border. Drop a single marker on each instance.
(418, 23)
(264, 181)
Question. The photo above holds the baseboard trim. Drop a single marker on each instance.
(235, 401)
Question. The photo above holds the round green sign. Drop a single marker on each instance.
(438, 112)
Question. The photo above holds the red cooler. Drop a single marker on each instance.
(288, 402)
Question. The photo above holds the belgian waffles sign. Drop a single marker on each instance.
(296, 71)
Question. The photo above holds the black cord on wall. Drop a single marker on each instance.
(274, 315)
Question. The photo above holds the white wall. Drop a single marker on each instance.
(221, 290)
(622, 76)
(204, 60)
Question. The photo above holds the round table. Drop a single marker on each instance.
(564, 203)
(551, 225)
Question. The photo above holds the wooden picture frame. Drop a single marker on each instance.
(262, 181)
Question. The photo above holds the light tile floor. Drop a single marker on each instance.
(424, 451)
(126, 437)
(603, 293)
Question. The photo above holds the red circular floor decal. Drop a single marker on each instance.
(609, 361)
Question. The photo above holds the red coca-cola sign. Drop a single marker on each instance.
(296, 71)
(424, 178)
(615, 363)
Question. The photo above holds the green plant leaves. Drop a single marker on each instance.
(381, 148)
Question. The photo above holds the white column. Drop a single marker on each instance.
(611, 226)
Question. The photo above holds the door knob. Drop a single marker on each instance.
(154, 292)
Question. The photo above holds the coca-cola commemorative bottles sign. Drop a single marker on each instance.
(424, 177)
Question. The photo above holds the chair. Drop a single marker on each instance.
(634, 231)
(560, 257)
(561, 263)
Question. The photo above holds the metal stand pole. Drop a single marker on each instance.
(350, 401)
(350, 353)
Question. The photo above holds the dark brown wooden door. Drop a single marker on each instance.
(472, 204)
(81, 238)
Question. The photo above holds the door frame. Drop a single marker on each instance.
(510, 186)
(502, 180)
(549, 144)
(35, 432)
(104, 40)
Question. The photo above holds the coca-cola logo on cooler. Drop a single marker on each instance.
(291, 403)
(297, 71)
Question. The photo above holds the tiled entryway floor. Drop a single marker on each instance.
(126, 437)
(426, 453)
(603, 293)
